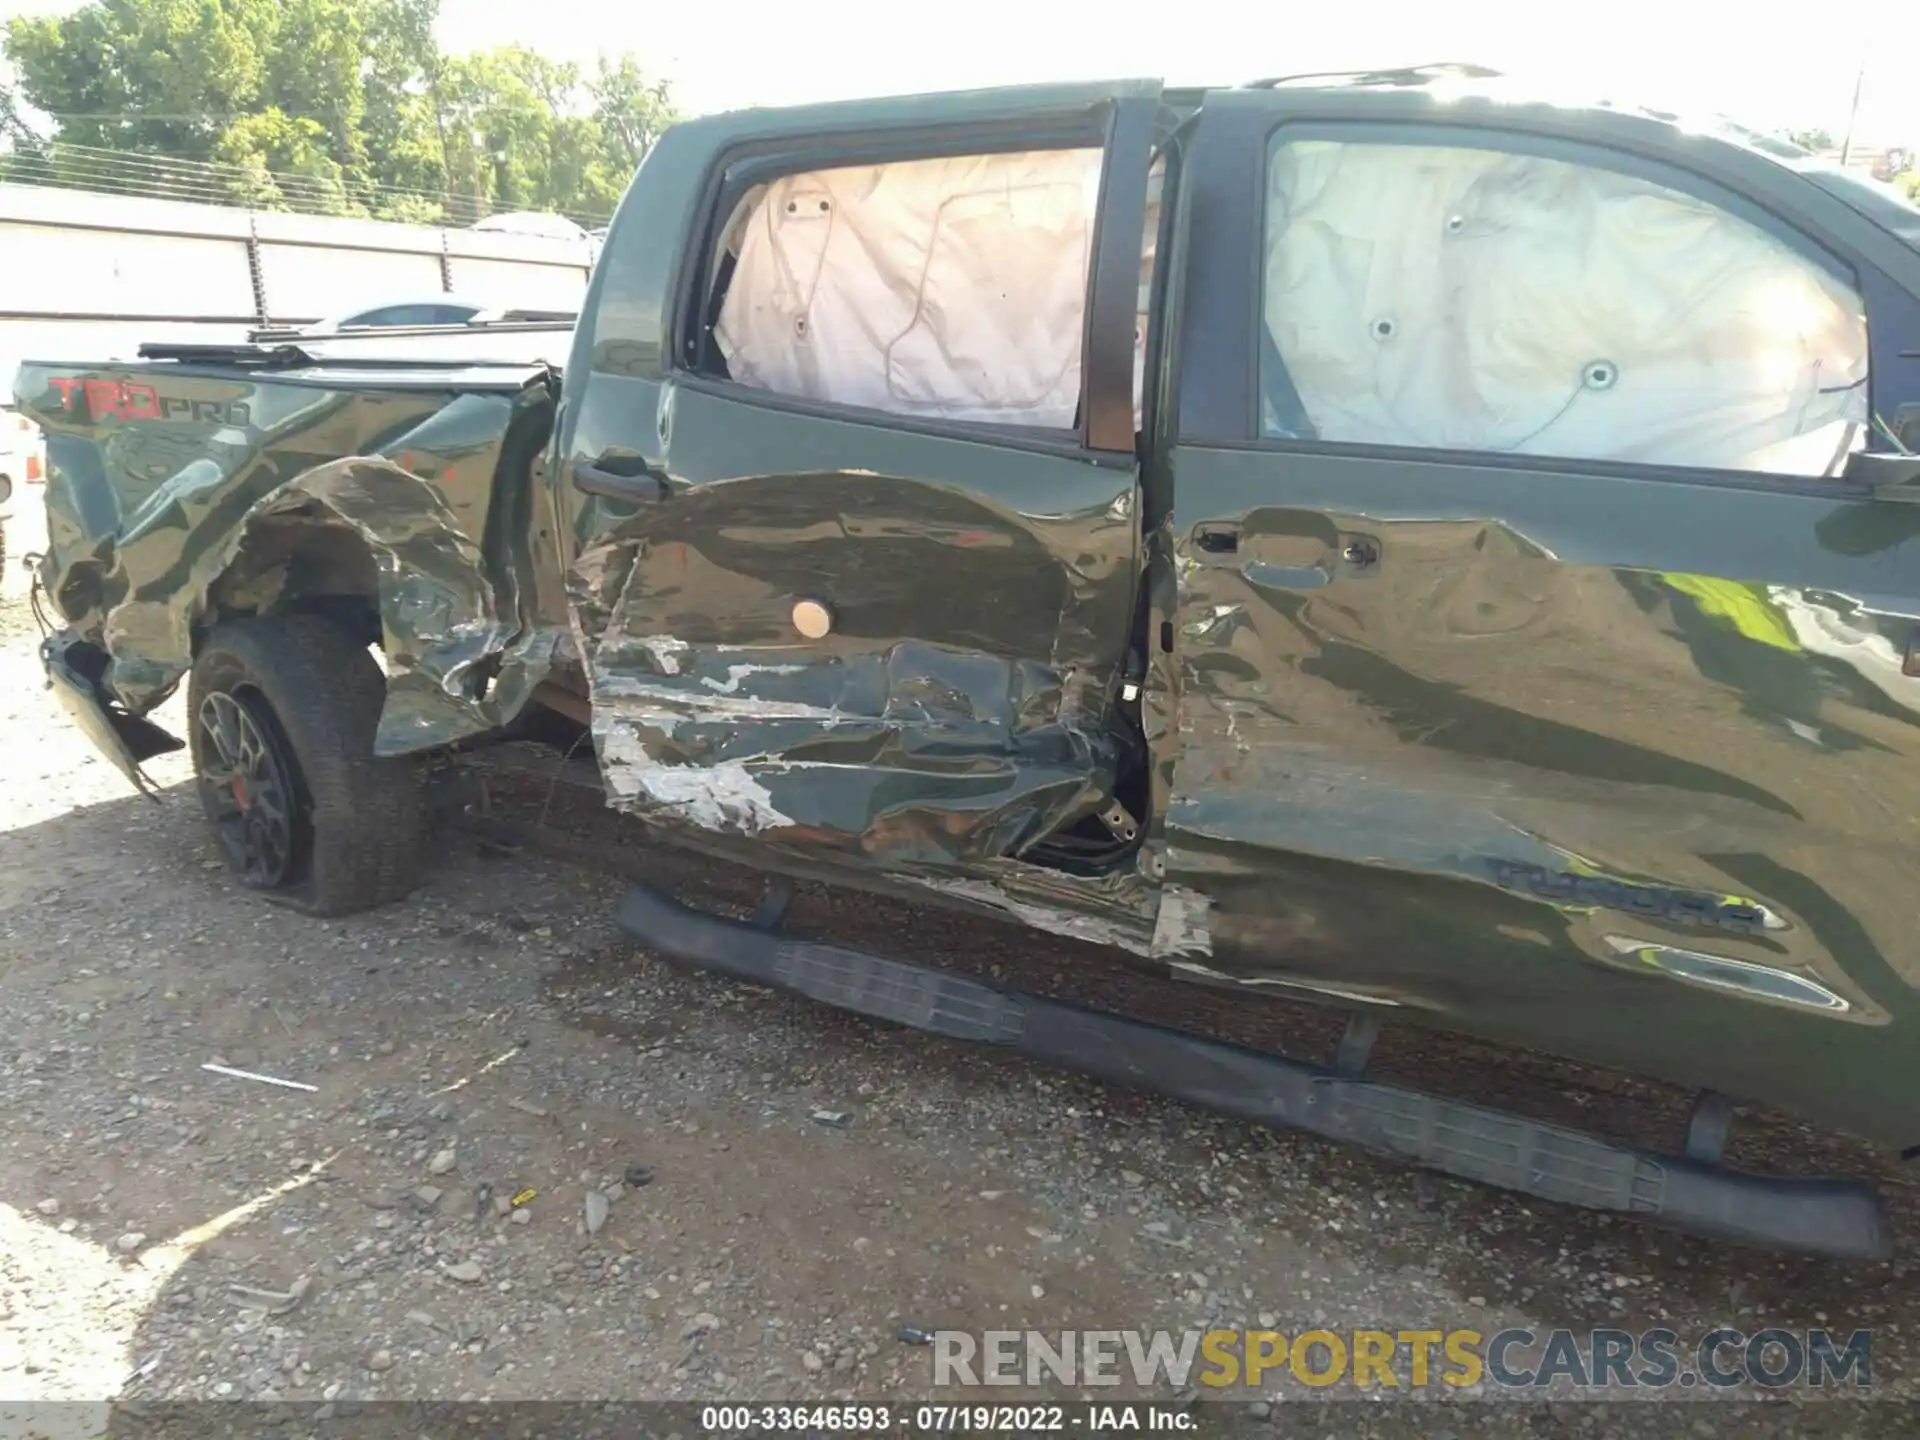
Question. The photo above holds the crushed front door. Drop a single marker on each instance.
(896, 636)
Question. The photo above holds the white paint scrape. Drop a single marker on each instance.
(737, 673)
(1181, 926)
(664, 650)
(722, 797)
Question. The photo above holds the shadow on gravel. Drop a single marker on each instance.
(1473, 1235)
(151, 1210)
(109, 1012)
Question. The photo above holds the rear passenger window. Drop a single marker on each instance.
(1470, 299)
(952, 289)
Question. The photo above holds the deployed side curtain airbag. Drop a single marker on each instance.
(951, 288)
(1475, 300)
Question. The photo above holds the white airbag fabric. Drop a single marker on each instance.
(1474, 300)
(951, 288)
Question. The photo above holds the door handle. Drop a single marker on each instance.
(1285, 577)
(1217, 539)
(1347, 556)
(1219, 544)
(1359, 553)
(631, 479)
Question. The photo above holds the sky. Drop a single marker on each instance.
(1678, 54)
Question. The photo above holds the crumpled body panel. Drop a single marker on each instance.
(175, 495)
(970, 740)
(872, 424)
(1535, 773)
(916, 753)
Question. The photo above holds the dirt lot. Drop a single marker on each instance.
(495, 1036)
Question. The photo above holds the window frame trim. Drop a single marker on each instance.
(1832, 487)
(1065, 443)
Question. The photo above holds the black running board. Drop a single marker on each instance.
(1841, 1219)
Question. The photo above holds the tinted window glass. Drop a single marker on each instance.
(950, 288)
(1478, 300)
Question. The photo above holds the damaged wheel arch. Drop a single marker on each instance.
(415, 542)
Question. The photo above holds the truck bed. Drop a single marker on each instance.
(195, 482)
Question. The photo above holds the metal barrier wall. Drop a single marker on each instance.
(91, 276)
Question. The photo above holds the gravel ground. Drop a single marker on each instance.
(169, 1233)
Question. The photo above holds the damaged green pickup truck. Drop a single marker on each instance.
(1373, 540)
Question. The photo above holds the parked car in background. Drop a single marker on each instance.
(542, 223)
(23, 459)
(439, 311)
(433, 310)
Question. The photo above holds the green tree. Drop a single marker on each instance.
(631, 111)
(402, 116)
(345, 106)
(160, 77)
(14, 130)
(280, 162)
(313, 75)
(524, 132)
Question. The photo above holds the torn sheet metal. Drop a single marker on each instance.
(1180, 927)
(126, 741)
(724, 797)
(178, 496)
(456, 665)
(956, 712)
(916, 754)
(1114, 909)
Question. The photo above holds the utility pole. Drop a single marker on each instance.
(1846, 143)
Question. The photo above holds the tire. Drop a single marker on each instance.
(282, 711)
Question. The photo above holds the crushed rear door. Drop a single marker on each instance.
(895, 637)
